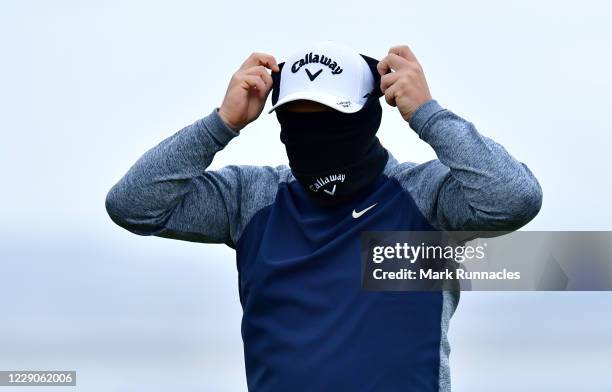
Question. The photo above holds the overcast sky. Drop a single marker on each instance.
(87, 87)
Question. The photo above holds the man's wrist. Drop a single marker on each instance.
(214, 126)
(227, 123)
(423, 114)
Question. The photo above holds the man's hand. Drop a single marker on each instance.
(247, 91)
(405, 87)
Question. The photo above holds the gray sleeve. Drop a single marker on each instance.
(169, 193)
(475, 184)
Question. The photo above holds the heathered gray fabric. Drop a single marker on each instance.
(473, 185)
(169, 193)
(450, 300)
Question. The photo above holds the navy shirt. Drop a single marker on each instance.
(307, 325)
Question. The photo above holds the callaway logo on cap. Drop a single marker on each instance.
(327, 72)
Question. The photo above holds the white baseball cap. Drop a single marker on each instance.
(327, 72)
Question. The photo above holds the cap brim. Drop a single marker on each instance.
(337, 103)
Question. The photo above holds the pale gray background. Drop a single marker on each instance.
(87, 87)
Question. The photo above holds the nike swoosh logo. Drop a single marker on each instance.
(311, 76)
(358, 214)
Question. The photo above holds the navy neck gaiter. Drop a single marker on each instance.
(334, 155)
